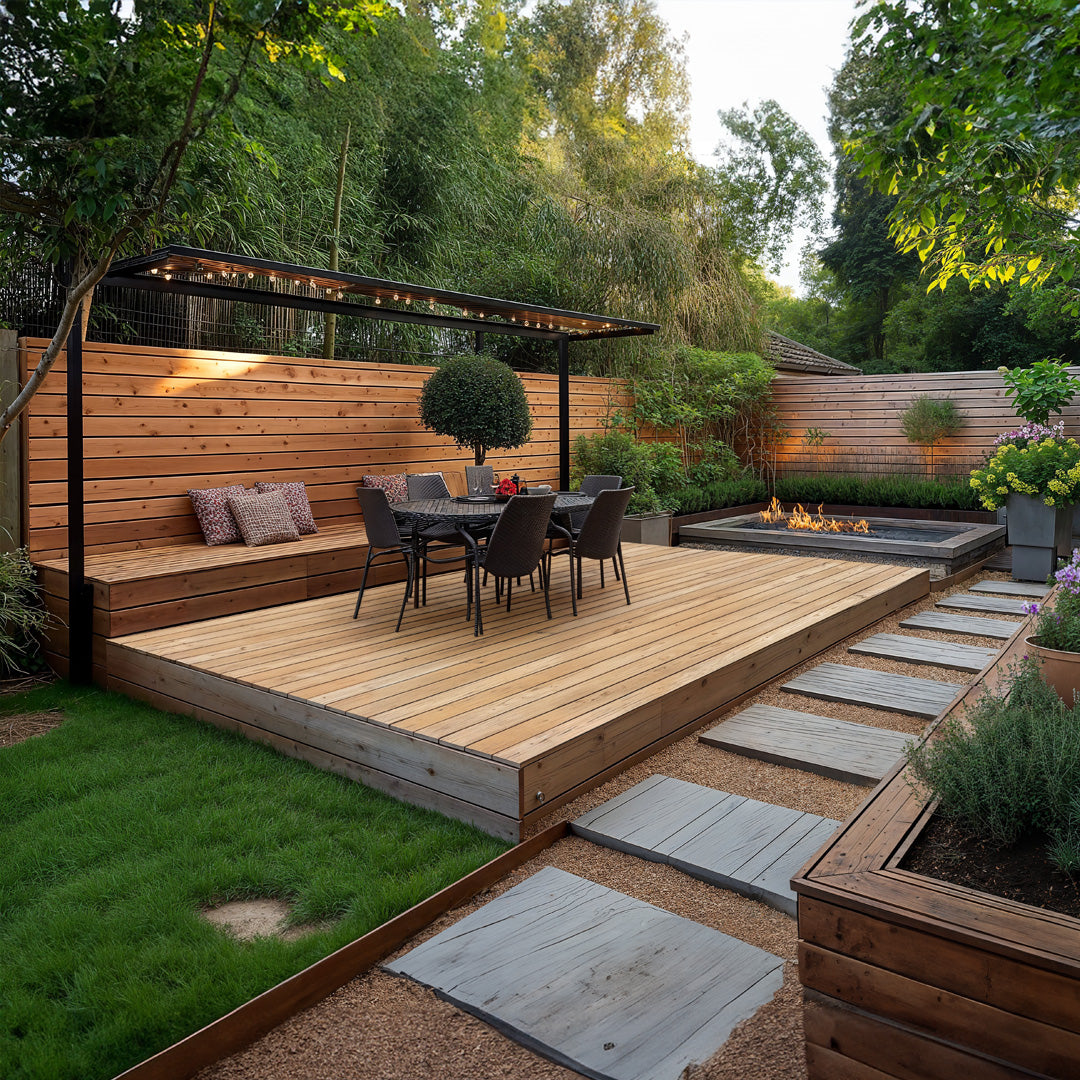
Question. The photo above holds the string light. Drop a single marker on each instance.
(378, 299)
(251, 274)
(408, 300)
(168, 277)
(395, 296)
(154, 270)
(431, 304)
(339, 295)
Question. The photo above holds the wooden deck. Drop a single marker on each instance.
(498, 730)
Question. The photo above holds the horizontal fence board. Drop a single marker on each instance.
(861, 417)
(158, 422)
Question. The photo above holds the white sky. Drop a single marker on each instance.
(751, 50)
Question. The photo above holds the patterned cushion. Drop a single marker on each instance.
(296, 497)
(395, 486)
(211, 507)
(263, 518)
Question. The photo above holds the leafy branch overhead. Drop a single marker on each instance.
(984, 155)
(103, 102)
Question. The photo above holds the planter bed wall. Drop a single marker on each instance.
(909, 977)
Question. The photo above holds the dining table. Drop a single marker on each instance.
(475, 515)
(468, 513)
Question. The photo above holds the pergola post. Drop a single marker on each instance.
(80, 600)
(564, 414)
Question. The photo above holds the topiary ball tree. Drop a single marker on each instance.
(479, 403)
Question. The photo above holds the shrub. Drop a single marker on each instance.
(1011, 765)
(1048, 470)
(653, 469)
(743, 489)
(478, 402)
(22, 616)
(903, 491)
(716, 461)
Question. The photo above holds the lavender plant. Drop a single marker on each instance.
(1059, 628)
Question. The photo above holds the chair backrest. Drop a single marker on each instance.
(517, 542)
(594, 484)
(600, 532)
(379, 522)
(479, 479)
(427, 486)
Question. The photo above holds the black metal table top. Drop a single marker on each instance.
(476, 509)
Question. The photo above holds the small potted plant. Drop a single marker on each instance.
(1035, 472)
(1056, 641)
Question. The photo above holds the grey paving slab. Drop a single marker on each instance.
(878, 689)
(854, 753)
(960, 624)
(1003, 605)
(610, 986)
(1012, 588)
(750, 847)
(914, 650)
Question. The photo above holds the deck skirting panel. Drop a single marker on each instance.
(419, 771)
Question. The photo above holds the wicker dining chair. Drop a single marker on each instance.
(384, 539)
(514, 549)
(592, 485)
(598, 538)
(432, 538)
(479, 479)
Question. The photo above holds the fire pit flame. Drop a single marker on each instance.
(800, 519)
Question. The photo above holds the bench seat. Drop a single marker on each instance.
(149, 588)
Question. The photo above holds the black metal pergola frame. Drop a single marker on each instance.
(186, 271)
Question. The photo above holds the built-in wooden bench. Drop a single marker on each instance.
(182, 583)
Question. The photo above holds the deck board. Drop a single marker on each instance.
(741, 844)
(557, 701)
(878, 689)
(960, 624)
(605, 984)
(913, 650)
(854, 753)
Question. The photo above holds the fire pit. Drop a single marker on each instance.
(946, 546)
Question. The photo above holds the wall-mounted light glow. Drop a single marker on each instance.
(154, 270)
(378, 299)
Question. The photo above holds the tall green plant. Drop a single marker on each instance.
(1037, 391)
(929, 420)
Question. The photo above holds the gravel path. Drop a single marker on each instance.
(382, 1027)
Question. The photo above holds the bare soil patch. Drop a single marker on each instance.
(247, 920)
(18, 728)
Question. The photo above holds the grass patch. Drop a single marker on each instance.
(123, 822)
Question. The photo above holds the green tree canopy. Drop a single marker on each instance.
(984, 155)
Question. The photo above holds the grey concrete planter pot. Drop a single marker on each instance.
(647, 529)
(1038, 534)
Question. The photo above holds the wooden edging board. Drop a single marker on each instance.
(903, 967)
(250, 1021)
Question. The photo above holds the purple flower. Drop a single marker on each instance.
(1031, 609)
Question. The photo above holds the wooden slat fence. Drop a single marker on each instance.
(861, 415)
(160, 421)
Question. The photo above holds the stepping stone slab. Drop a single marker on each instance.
(914, 650)
(1003, 605)
(878, 689)
(1012, 588)
(750, 847)
(604, 984)
(960, 624)
(854, 753)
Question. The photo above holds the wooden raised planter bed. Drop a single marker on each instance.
(911, 978)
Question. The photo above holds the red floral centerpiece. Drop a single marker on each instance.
(506, 488)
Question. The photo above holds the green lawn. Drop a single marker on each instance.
(120, 824)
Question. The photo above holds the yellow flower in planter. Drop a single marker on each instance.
(1046, 466)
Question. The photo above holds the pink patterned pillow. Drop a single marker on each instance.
(395, 486)
(296, 497)
(211, 507)
(264, 519)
